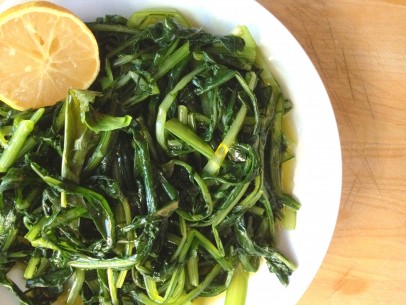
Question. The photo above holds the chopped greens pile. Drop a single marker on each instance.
(160, 184)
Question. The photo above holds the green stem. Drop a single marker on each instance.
(212, 167)
(74, 291)
(167, 102)
(32, 265)
(129, 246)
(188, 136)
(35, 230)
(101, 150)
(237, 291)
(193, 268)
(172, 60)
(184, 299)
(152, 291)
(276, 148)
(113, 263)
(97, 27)
(205, 243)
(17, 141)
(147, 172)
(112, 286)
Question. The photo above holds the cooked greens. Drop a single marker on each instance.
(160, 184)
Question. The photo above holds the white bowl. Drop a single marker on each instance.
(317, 179)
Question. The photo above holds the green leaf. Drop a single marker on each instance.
(78, 138)
(98, 122)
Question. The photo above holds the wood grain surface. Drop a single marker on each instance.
(359, 50)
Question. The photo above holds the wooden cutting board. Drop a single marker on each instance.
(359, 49)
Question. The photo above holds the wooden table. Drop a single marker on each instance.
(359, 49)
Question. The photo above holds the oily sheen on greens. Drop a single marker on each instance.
(159, 184)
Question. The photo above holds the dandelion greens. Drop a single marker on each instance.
(158, 185)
